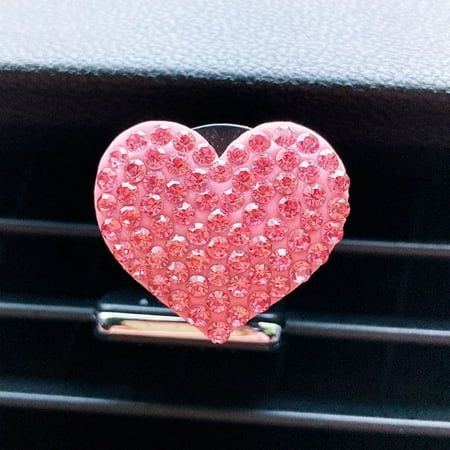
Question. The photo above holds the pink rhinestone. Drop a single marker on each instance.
(258, 301)
(197, 260)
(198, 315)
(232, 200)
(254, 214)
(260, 247)
(218, 247)
(289, 207)
(197, 286)
(162, 227)
(298, 240)
(218, 332)
(275, 229)
(280, 260)
(239, 285)
(238, 315)
(155, 182)
(177, 272)
(159, 285)
(157, 258)
(118, 157)
(259, 141)
(314, 196)
(238, 261)
(178, 300)
(308, 172)
(263, 165)
(127, 193)
(239, 234)
(184, 214)
(155, 158)
(238, 154)
(220, 171)
(283, 136)
(218, 301)
(136, 141)
(328, 160)
(218, 275)
(176, 191)
(106, 179)
(285, 183)
(129, 216)
(197, 179)
(300, 272)
(263, 192)
(206, 201)
(338, 209)
(151, 204)
(141, 238)
(177, 165)
(106, 204)
(288, 160)
(204, 155)
(279, 286)
(307, 143)
(123, 252)
(332, 233)
(135, 170)
(338, 181)
(177, 246)
(161, 135)
(311, 219)
(317, 255)
(138, 269)
(243, 179)
(261, 274)
(218, 221)
(198, 234)
(184, 142)
(111, 229)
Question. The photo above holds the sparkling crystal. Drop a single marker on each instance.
(157, 258)
(155, 182)
(263, 165)
(184, 214)
(220, 171)
(204, 155)
(218, 332)
(206, 201)
(155, 158)
(197, 260)
(254, 214)
(298, 240)
(162, 227)
(106, 179)
(317, 255)
(218, 221)
(328, 160)
(161, 135)
(283, 136)
(239, 285)
(127, 193)
(184, 142)
(314, 195)
(239, 234)
(260, 247)
(218, 275)
(198, 315)
(243, 179)
(261, 274)
(111, 229)
(338, 181)
(311, 219)
(285, 183)
(151, 204)
(141, 238)
(280, 260)
(178, 300)
(197, 286)
(307, 143)
(136, 141)
(218, 301)
(176, 191)
(198, 234)
(289, 207)
(338, 209)
(332, 233)
(177, 272)
(197, 179)
(238, 261)
(159, 285)
(308, 172)
(238, 154)
(300, 272)
(275, 229)
(218, 247)
(288, 160)
(279, 286)
(259, 141)
(263, 192)
(177, 246)
(123, 252)
(232, 200)
(138, 269)
(129, 216)
(258, 301)
(135, 170)
(118, 157)
(106, 204)
(177, 165)
(238, 315)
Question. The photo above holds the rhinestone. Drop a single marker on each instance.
(198, 234)
(259, 302)
(300, 272)
(283, 136)
(177, 272)
(218, 332)
(141, 238)
(218, 221)
(260, 247)
(106, 179)
(218, 275)
(159, 285)
(254, 214)
(314, 195)
(338, 181)
(197, 260)
(218, 301)
(129, 216)
(289, 207)
(261, 274)
(263, 165)
(232, 200)
(176, 191)
(218, 247)
(338, 209)
(127, 193)
(178, 300)
(161, 135)
(238, 315)
(118, 157)
(238, 154)
(275, 229)
(259, 141)
(238, 261)
(162, 227)
(285, 183)
(239, 234)
(317, 254)
(135, 170)
(155, 158)
(123, 252)
(206, 201)
(138, 269)
(288, 160)
(177, 246)
(279, 286)
(239, 286)
(177, 165)
(157, 258)
(298, 240)
(204, 155)
(308, 172)
(307, 143)
(197, 179)
(184, 214)
(243, 179)
(197, 286)
(184, 142)
(311, 219)
(151, 204)
(136, 141)
(332, 233)
(280, 260)
(220, 171)
(263, 192)
(111, 229)
(328, 160)
(155, 182)
(106, 204)
(198, 315)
